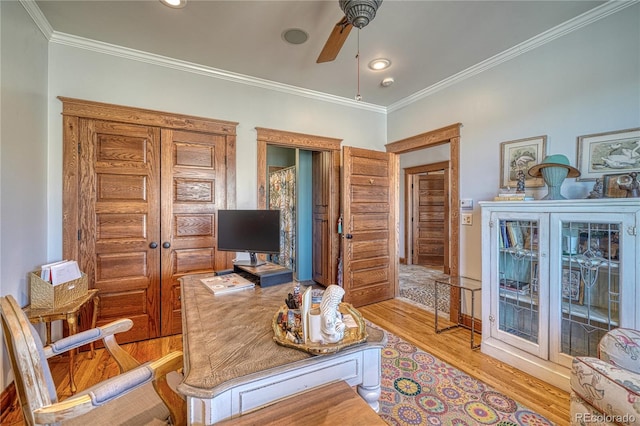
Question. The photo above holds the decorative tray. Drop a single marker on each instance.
(352, 335)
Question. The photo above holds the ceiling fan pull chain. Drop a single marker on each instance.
(358, 97)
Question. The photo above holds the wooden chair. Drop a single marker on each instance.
(139, 395)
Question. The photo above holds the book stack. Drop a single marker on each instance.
(513, 197)
(519, 287)
(228, 283)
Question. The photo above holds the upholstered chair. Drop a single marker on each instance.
(606, 390)
(139, 395)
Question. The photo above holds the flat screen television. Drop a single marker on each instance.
(251, 231)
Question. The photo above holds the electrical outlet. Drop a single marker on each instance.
(466, 203)
(467, 219)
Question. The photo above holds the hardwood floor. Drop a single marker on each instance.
(403, 319)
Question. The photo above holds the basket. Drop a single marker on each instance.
(44, 295)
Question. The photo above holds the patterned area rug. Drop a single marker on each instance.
(417, 285)
(419, 389)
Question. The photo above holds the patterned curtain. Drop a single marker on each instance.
(282, 196)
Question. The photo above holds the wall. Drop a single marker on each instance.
(23, 154)
(585, 82)
(106, 78)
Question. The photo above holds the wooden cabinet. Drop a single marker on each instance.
(141, 192)
(556, 276)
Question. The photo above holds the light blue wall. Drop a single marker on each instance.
(304, 215)
(23, 154)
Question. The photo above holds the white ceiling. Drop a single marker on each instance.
(428, 42)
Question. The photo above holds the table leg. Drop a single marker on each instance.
(73, 328)
(47, 325)
(94, 319)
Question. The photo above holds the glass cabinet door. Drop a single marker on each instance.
(518, 313)
(588, 292)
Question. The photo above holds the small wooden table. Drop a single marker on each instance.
(68, 313)
(233, 366)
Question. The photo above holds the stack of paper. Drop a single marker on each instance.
(60, 272)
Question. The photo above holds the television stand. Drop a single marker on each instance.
(264, 275)
(253, 261)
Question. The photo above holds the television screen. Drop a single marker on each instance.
(251, 231)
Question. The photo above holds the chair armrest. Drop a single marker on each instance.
(606, 387)
(109, 390)
(85, 337)
(621, 347)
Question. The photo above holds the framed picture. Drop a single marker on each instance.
(610, 188)
(519, 155)
(572, 289)
(611, 152)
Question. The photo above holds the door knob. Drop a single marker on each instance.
(166, 244)
(348, 236)
(153, 245)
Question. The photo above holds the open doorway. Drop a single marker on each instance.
(426, 206)
(317, 162)
(445, 137)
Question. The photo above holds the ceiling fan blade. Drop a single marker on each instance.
(335, 41)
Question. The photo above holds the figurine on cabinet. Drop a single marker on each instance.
(630, 184)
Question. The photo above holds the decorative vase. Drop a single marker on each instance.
(553, 177)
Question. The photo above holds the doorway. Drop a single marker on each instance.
(290, 190)
(450, 136)
(321, 156)
(426, 206)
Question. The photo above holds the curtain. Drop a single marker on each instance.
(282, 196)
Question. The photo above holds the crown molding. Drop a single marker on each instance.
(567, 27)
(38, 17)
(164, 61)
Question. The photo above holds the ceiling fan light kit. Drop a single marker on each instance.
(360, 12)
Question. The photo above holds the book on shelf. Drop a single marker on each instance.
(520, 287)
(228, 283)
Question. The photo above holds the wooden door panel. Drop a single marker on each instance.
(370, 224)
(430, 216)
(321, 194)
(119, 165)
(193, 189)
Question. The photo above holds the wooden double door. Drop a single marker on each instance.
(144, 212)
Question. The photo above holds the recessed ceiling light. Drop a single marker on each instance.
(379, 64)
(295, 36)
(176, 4)
(387, 82)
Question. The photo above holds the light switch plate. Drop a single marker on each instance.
(467, 218)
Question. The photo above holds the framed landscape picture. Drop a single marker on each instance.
(521, 154)
(608, 153)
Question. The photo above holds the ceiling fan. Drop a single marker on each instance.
(358, 13)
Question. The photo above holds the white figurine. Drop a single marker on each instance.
(332, 327)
